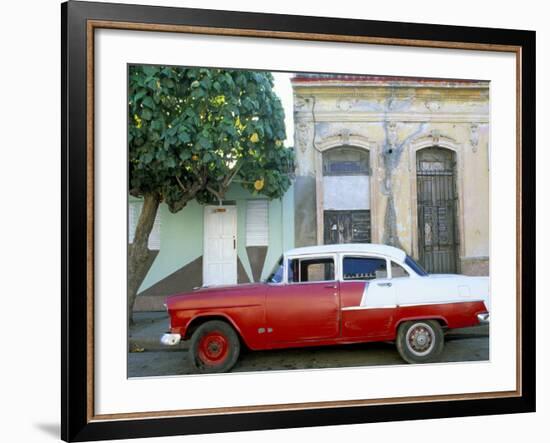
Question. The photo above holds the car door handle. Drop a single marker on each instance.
(331, 286)
(387, 285)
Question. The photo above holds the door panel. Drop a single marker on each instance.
(436, 199)
(374, 321)
(380, 293)
(367, 322)
(302, 311)
(347, 227)
(368, 298)
(351, 293)
(220, 253)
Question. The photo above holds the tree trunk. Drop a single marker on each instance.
(138, 251)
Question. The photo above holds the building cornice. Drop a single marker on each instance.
(406, 117)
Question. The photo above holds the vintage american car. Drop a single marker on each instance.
(328, 295)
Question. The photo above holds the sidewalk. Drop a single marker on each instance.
(149, 326)
(145, 333)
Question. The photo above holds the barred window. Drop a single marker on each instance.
(346, 161)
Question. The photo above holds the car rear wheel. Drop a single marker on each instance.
(420, 341)
(215, 347)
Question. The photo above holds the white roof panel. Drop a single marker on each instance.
(365, 248)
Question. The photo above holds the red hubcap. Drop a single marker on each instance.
(213, 348)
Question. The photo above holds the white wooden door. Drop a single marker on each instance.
(220, 245)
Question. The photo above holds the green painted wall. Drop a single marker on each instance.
(181, 234)
(281, 230)
(181, 238)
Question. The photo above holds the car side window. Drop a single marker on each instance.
(398, 270)
(364, 268)
(310, 270)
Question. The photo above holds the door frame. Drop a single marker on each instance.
(285, 286)
(428, 141)
(355, 141)
(204, 237)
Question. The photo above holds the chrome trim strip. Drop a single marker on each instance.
(406, 305)
(360, 308)
(448, 302)
(483, 318)
(170, 339)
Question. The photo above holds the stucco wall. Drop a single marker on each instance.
(393, 119)
(178, 264)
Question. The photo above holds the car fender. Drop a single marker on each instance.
(439, 318)
(218, 314)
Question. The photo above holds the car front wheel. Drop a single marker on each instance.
(420, 341)
(215, 347)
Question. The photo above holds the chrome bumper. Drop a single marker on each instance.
(483, 318)
(170, 339)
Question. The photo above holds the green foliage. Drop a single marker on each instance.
(207, 127)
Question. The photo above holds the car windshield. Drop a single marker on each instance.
(415, 266)
(276, 275)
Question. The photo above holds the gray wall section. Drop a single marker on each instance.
(182, 280)
(474, 266)
(256, 257)
(305, 212)
(242, 276)
(150, 259)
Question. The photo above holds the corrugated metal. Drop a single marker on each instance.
(327, 77)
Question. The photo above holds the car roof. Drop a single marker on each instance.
(365, 248)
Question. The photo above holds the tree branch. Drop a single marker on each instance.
(233, 174)
(218, 194)
(181, 184)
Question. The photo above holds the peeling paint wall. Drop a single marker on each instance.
(394, 119)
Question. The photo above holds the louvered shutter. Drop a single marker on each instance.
(134, 210)
(257, 223)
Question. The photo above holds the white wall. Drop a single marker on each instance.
(30, 115)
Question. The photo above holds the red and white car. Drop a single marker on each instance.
(328, 295)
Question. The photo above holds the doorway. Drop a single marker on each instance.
(220, 245)
(437, 210)
(346, 195)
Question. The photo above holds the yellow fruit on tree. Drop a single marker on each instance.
(259, 184)
(254, 138)
(194, 157)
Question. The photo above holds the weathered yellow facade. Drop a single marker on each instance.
(398, 122)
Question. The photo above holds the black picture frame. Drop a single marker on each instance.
(77, 421)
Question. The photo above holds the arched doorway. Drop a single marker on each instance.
(438, 239)
(346, 195)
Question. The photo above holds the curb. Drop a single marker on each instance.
(144, 345)
(137, 345)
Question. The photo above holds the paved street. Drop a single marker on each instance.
(460, 345)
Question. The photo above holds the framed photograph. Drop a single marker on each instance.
(276, 221)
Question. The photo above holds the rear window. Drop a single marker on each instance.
(415, 266)
(364, 268)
